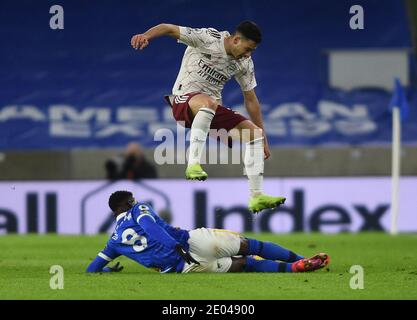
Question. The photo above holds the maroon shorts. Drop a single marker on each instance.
(225, 118)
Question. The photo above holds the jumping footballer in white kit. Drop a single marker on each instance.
(210, 60)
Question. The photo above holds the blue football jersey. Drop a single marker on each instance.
(130, 239)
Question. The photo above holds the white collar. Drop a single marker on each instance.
(120, 216)
(225, 34)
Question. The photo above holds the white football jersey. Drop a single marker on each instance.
(206, 67)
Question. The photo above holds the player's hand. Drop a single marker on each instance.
(267, 151)
(139, 41)
(185, 255)
(116, 268)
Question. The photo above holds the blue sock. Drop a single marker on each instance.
(271, 251)
(253, 265)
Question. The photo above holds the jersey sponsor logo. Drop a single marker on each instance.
(210, 74)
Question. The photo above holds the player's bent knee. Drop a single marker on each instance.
(211, 104)
(249, 131)
(257, 133)
(244, 247)
(252, 135)
(238, 264)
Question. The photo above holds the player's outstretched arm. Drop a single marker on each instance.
(101, 260)
(99, 265)
(141, 41)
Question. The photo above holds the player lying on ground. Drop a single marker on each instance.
(210, 60)
(145, 238)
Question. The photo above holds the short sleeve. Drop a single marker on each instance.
(246, 77)
(198, 37)
(141, 210)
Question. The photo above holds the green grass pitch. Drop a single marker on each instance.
(389, 264)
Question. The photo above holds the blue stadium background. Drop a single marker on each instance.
(90, 64)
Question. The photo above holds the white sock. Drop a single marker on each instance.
(199, 131)
(254, 165)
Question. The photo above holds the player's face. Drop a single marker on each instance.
(242, 48)
(131, 202)
(127, 204)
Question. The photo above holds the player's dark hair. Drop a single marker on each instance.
(250, 30)
(118, 198)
